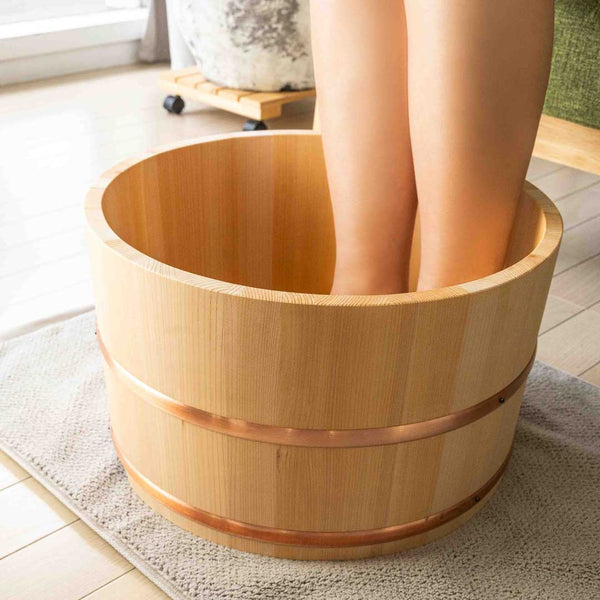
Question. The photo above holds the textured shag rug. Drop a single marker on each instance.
(538, 537)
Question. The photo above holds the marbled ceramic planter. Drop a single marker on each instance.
(250, 44)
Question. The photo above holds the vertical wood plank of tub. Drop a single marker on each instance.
(470, 456)
(225, 476)
(304, 552)
(504, 320)
(303, 231)
(322, 478)
(254, 187)
(499, 338)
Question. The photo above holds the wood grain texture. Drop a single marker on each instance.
(191, 84)
(212, 263)
(592, 375)
(305, 553)
(579, 244)
(580, 206)
(557, 311)
(131, 586)
(579, 285)
(573, 346)
(311, 437)
(538, 167)
(568, 143)
(565, 182)
(29, 512)
(10, 471)
(67, 565)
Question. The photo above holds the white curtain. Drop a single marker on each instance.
(154, 46)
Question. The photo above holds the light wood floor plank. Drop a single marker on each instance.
(573, 346)
(579, 244)
(579, 285)
(65, 565)
(46, 308)
(538, 167)
(41, 252)
(31, 283)
(131, 586)
(557, 311)
(46, 193)
(559, 184)
(29, 512)
(580, 206)
(10, 471)
(42, 226)
(592, 375)
(89, 89)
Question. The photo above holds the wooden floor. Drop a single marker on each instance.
(56, 137)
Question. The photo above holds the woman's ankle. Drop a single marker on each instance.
(361, 282)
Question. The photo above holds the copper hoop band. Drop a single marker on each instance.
(315, 438)
(321, 539)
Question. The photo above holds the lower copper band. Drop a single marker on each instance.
(321, 539)
(315, 438)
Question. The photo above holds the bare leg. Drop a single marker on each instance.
(478, 72)
(359, 48)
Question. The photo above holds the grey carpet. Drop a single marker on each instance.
(537, 538)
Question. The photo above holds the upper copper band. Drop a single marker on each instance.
(317, 438)
(322, 539)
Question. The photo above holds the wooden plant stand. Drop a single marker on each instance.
(256, 106)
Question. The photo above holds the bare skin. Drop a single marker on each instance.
(477, 76)
(359, 48)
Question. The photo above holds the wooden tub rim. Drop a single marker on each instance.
(98, 226)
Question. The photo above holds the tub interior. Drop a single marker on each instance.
(251, 210)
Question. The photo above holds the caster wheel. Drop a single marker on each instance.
(174, 104)
(253, 125)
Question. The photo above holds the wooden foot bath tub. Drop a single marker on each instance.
(251, 408)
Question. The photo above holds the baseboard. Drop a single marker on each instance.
(569, 144)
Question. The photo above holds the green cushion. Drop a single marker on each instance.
(574, 87)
